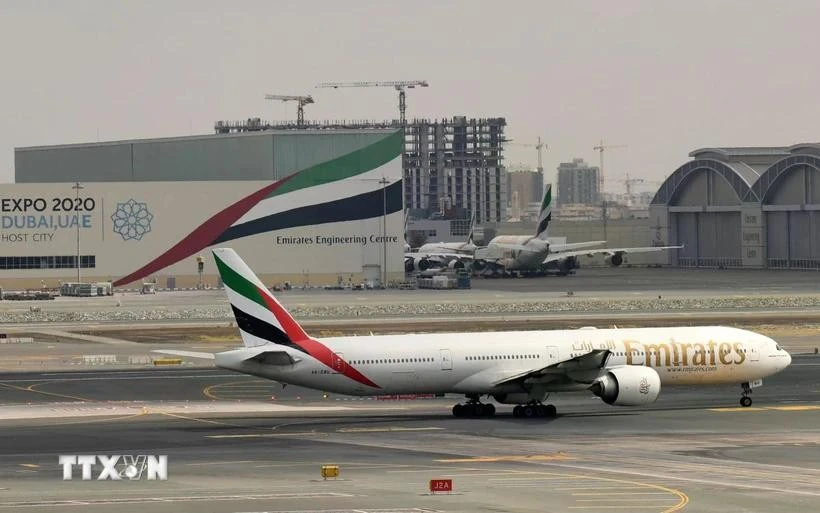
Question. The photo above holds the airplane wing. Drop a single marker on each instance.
(593, 360)
(189, 354)
(439, 256)
(553, 247)
(575, 245)
(263, 356)
(607, 251)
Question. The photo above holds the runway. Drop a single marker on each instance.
(238, 444)
(240, 451)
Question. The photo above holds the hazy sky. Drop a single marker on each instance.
(661, 77)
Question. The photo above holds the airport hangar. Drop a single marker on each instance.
(742, 208)
(309, 207)
(753, 207)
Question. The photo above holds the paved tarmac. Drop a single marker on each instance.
(594, 282)
(693, 451)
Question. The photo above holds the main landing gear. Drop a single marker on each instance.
(535, 410)
(473, 408)
(746, 401)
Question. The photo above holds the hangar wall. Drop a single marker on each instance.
(744, 207)
(320, 224)
(266, 155)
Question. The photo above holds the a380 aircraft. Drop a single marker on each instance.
(623, 367)
(520, 254)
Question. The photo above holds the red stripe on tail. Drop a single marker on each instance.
(311, 346)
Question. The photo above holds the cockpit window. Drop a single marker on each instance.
(778, 347)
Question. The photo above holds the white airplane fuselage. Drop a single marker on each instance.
(447, 247)
(473, 363)
(516, 259)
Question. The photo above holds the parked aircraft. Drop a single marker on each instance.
(535, 254)
(452, 255)
(624, 367)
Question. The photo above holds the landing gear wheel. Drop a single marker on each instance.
(473, 409)
(746, 401)
(535, 410)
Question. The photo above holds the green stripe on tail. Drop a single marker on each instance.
(239, 283)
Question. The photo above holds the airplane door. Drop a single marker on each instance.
(552, 354)
(338, 363)
(755, 353)
(446, 360)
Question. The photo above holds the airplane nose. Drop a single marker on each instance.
(788, 359)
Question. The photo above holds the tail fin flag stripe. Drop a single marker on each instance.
(261, 329)
(259, 295)
(281, 328)
(545, 215)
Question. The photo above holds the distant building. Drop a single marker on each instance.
(578, 183)
(454, 167)
(525, 187)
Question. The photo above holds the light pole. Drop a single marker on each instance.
(77, 188)
(384, 183)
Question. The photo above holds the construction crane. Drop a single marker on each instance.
(600, 148)
(398, 85)
(629, 182)
(539, 146)
(302, 101)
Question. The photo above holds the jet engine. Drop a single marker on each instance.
(416, 264)
(615, 260)
(567, 264)
(479, 265)
(455, 264)
(628, 386)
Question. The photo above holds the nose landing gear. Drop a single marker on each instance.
(746, 401)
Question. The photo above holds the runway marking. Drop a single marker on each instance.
(540, 478)
(61, 503)
(30, 388)
(478, 474)
(222, 462)
(683, 499)
(386, 429)
(205, 421)
(573, 488)
(211, 391)
(796, 407)
(357, 510)
(560, 456)
(117, 376)
(29, 465)
(634, 506)
(267, 435)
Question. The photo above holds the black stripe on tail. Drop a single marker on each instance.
(259, 328)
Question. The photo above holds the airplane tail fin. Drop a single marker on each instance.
(545, 215)
(260, 317)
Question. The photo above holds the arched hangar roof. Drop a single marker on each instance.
(750, 171)
(739, 176)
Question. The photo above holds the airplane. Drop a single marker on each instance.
(451, 255)
(535, 254)
(623, 367)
